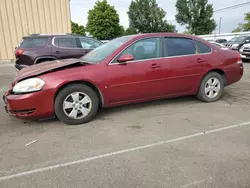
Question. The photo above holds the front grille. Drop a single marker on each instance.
(246, 50)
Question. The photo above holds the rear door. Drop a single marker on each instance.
(66, 47)
(138, 79)
(184, 64)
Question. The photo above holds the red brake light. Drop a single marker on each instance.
(239, 60)
(19, 52)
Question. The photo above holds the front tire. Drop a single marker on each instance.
(76, 104)
(211, 87)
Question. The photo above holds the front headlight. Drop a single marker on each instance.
(29, 85)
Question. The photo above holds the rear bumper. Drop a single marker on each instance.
(32, 106)
(234, 73)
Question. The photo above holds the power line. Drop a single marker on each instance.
(233, 7)
(226, 8)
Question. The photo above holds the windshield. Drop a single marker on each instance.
(238, 39)
(103, 51)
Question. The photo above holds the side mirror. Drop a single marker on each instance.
(247, 41)
(125, 57)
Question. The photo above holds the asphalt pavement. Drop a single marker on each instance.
(179, 142)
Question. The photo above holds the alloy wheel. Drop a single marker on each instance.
(77, 105)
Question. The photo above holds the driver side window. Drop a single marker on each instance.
(144, 49)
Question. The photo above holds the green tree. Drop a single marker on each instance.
(77, 29)
(130, 31)
(103, 21)
(196, 15)
(244, 27)
(238, 29)
(187, 32)
(146, 17)
(122, 30)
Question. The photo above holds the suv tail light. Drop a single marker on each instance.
(19, 52)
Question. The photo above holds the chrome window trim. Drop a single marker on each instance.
(136, 61)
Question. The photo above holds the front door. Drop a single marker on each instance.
(138, 79)
(88, 44)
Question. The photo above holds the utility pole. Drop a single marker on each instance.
(220, 24)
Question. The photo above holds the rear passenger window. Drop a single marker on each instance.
(66, 42)
(178, 47)
(202, 48)
(34, 42)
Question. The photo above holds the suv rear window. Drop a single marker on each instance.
(34, 42)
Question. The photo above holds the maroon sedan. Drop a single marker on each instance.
(126, 70)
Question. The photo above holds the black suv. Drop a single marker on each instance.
(38, 48)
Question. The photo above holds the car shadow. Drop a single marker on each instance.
(136, 106)
(105, 112)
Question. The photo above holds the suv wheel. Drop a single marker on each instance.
(211, 87)
(76, 104)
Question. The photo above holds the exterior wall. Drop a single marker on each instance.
(20, 18)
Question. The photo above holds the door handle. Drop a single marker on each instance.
(199, 60)
(154, 66)
(57, 52)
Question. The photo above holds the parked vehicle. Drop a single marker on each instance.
(221, 40)
(236, 42)
(245, 52)
(219, 45)
(211, 40)
(126, 70)
(39, 48)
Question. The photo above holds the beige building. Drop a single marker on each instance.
(20, 18)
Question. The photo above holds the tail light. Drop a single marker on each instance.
(19, 52)
(239, 60)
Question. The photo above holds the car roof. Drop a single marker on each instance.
(145, 35)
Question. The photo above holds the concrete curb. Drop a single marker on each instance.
(2, 62)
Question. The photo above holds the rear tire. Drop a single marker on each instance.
(211, 87)
(76, 104)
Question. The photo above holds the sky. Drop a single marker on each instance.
(230, 18)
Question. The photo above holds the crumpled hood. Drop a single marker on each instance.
(42, 68)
